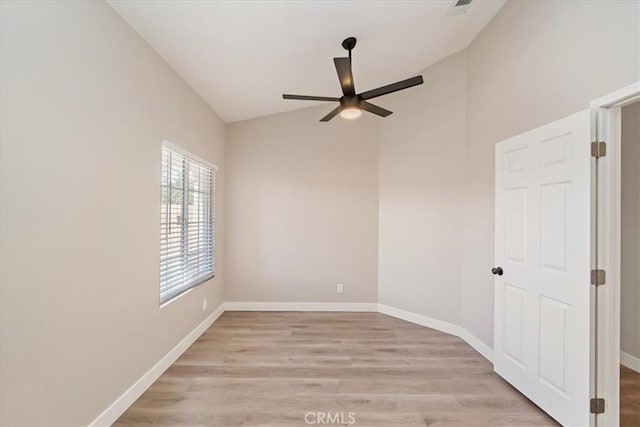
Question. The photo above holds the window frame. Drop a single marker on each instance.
(189, 157)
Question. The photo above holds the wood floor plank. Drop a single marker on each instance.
(629, 397)
(370, 419)
(273, 368)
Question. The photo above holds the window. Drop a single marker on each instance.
(187, 221)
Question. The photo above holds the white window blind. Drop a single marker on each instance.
(187, 221)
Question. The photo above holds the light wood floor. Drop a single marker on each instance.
(629, 397)
(270, 369)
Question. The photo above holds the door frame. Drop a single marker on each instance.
(605, 242)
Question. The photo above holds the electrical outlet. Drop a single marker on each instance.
(204, 304)
(340, 288)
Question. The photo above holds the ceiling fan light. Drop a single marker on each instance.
(351, 113)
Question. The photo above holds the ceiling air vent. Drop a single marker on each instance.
(459, 7)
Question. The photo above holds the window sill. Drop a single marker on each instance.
(188, 290)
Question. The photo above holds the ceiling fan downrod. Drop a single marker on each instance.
(349, 43)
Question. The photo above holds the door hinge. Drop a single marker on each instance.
(598, 277)
(597, 406)
(598, 149)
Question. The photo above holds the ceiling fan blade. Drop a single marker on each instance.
(343, 67)
(393, 87)
(331, 114)
(366, 106)
(310, 98)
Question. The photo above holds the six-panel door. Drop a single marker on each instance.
(542, 243)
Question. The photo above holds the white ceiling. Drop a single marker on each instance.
(241, 56)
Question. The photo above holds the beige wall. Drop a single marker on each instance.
(302, 208)
(421, 199)
(536, 61)
(84, 105)
(630, 232)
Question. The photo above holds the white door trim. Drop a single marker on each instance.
(606, 125)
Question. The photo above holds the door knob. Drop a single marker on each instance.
(497, 270)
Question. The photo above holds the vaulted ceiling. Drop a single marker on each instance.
(240, 56)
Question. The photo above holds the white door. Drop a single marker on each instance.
(542, 304)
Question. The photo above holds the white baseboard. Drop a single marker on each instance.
(630, 361)
(122, 403)
(300, 306)
(440, 325)
(477, 344)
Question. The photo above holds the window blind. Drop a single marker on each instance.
(187, 222)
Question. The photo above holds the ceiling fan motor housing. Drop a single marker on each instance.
(350, 101)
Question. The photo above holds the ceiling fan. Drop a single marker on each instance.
(352, 104)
